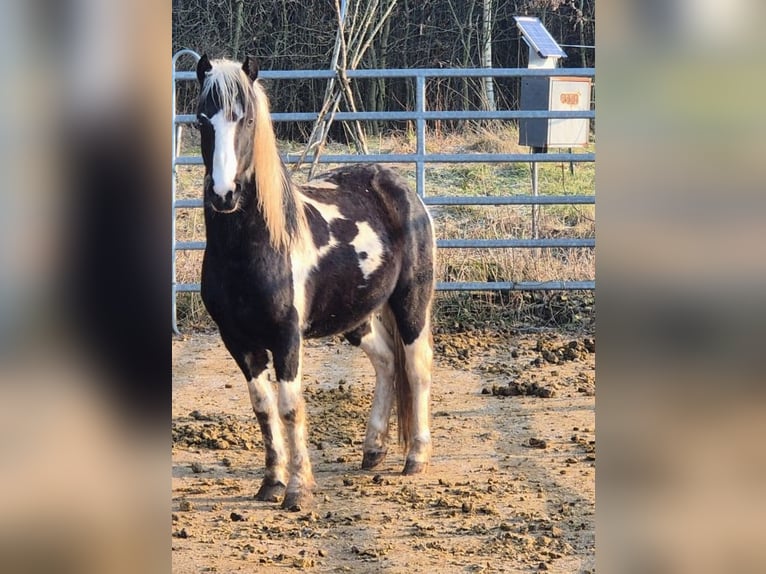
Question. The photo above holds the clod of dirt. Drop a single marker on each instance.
(553, 351)
(236, 517)
(185, 506)
(516, 388)
(538, 442)
(197, 467)
(181, 533)
(198, 416)
(303, 563)
(221, 432)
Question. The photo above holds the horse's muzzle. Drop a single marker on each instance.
(224, 204)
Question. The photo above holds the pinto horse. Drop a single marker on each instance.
(351, 252)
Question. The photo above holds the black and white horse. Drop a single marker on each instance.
(351, 252)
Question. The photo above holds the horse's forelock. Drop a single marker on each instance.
(227, 83)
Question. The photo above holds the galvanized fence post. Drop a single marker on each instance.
(176, 127)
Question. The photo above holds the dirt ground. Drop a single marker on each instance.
(510, 488)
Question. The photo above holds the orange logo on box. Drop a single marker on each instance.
(571, 99)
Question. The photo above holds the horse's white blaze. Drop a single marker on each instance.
(224, 154)
(369, 249)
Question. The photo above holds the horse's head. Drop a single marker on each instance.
(226, 115)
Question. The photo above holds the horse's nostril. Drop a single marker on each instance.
(229, 195)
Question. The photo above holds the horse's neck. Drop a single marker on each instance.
(237, 230)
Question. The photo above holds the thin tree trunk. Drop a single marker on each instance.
(583, 60)
(488, 83)
(239, 4)
(351, 43)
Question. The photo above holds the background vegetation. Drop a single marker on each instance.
(294, 34)
(288, 34)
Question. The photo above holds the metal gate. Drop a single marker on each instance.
(420, 115)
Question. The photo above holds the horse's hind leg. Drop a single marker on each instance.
(373, 338)
(418, 362)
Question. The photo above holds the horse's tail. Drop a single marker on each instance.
(404, 404)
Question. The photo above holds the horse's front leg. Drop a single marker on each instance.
(292, 410)
(253, 365)
(265, 407)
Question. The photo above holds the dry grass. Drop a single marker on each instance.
(470, 222)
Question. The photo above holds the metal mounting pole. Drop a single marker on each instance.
(535, 233)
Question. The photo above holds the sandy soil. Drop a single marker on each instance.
(511, 486)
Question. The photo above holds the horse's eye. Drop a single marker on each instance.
(250, 121)
(202, 121)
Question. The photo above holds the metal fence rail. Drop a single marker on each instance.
(420, 115)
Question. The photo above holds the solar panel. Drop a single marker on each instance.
(538, 38)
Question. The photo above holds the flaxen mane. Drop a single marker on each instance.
(276, 195)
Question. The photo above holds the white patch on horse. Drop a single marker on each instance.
(321, 184)
(419, 360)
(378, 347)
(304, 261)
(369, 249)
(328, 211)
(263, 400)
(292, 410)
(225, 152)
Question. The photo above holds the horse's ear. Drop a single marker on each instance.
(203, 66)
(250, 67)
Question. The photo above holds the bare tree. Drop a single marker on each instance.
(354, 37)
(488, 83)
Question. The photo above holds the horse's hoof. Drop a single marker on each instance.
(296, 501)
(414, 467)
(270, 491)
(372, 459)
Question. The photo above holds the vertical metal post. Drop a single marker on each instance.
(535, 233)
(173, 283)
(420, 108)
(176, 130)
